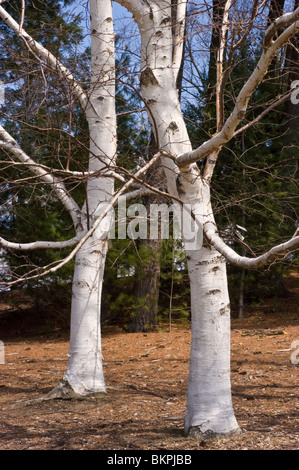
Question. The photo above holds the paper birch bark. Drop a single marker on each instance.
(85, 372)
(209, 408)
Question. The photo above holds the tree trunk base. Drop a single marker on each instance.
(195, 432)
(63, 391)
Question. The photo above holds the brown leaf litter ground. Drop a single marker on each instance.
(146, 375)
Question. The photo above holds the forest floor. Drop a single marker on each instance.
(147, 375)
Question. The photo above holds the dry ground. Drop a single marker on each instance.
(147, 379)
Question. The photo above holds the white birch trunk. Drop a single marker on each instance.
(209, 408)
(84, 374)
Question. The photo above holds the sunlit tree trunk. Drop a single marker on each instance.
(209, 407)
(84, 372)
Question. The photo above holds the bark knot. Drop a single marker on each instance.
(151, 102)
(173, 126)
(213, 291)
(147, 77)
(225, 309)
(241, 114)
(165, 20)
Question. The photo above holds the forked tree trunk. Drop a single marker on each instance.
(209, 408)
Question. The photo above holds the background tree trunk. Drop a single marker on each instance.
(147, 270)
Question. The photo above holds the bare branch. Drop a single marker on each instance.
(211, 161)
(22, 17)
(284, 20)
(40, 245)
(273, 105)
(220, 56)
(10, 144)
(54, 63)
(244, 96)
(84, 236)
(179, 28)
(138, 8)
(60, 171)
(234, 258)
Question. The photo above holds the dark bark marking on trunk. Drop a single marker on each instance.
(213, 292)
(165, 20)
(147, 77)
(215, 260)
(214, 269)
(179, 185)
(173, 126)
(151, 102)
(225, 310)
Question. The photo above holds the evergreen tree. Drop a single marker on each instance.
(261, 177)
(35, 112)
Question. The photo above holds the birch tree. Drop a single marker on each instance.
(162, 26)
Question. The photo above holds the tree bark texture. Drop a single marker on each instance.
(84, 372)
(209, 406)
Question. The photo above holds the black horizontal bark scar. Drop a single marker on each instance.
(147, 77)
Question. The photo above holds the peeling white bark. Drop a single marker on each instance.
(84, 372)
(209, 407)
